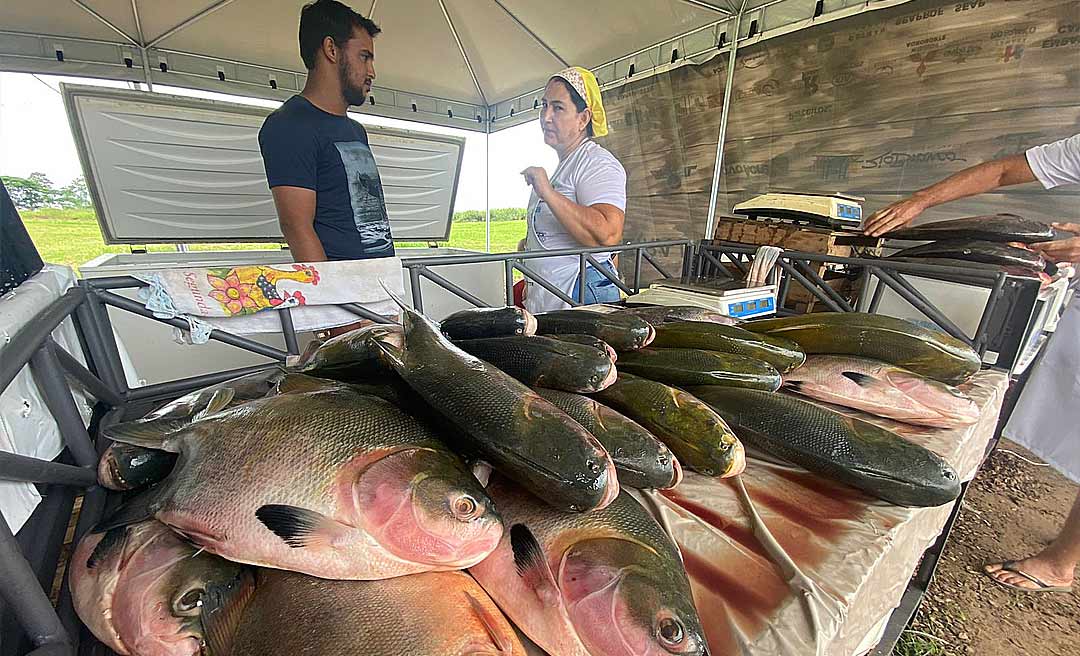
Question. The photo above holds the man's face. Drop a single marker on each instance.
(356, 66)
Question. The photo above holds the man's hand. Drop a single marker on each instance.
(894, 217)
(1062, 250)
(537, 178)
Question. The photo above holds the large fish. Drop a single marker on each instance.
(930, 353)
(546, 362)
(784, 355)
(661, 314)
(609, 583)
(511, 426)
(623, 332)
(642, 460)
(844, 449)
(995, 227)
(179, 413)
(698, 437)
(140, 589)
(1015, 271)
(689, 366)
(351, 356)
(882, 389)
(480, 323)
(975, 250)
(331, 483)
(431, 614)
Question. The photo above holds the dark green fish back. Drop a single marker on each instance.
(689, 366)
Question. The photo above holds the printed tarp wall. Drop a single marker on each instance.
(877, 105)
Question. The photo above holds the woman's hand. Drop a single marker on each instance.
(537, 178)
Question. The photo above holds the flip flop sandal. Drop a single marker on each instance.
(1010, 566)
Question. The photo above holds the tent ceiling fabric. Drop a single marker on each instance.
(416, 53)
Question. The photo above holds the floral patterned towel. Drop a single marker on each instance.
(241, 299)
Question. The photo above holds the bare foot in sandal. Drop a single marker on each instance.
(1034, 574)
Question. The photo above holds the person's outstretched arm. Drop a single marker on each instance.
(1011, 170)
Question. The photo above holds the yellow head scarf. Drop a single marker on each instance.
(584, 82)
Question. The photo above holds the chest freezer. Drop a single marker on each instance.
(177, 170)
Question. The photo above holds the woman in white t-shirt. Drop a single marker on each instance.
(583, 203)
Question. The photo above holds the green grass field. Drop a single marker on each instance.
(72, 237)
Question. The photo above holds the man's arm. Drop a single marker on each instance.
(296, 216)
(977, 179)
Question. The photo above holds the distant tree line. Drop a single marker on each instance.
(497, 214)
(38, 191)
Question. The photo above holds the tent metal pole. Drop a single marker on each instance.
(543, 44)
(197, 17)
(487, 186)
(82, 5)
(461, 49)
(710, 226)
(701, 4)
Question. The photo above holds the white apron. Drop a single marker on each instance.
(1046, 419)
(547, 234)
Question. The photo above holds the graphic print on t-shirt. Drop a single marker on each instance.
(365, 191)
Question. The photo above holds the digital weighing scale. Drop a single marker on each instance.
(731, 298)
(835, 211)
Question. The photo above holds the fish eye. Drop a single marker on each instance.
(671, 631)
(592, 466)
(948, 474)
(465, 507)
(192, 600)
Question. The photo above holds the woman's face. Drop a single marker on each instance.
(559, 118)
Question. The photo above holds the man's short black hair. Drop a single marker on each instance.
(329, 18)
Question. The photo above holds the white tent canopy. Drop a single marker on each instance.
(450, 62)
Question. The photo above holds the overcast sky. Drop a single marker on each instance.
(35, 136)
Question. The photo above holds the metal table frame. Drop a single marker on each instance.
(29, 563)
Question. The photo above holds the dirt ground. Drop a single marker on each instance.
(1012, 509)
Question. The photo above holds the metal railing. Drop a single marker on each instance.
(420, 268)
(795, 266)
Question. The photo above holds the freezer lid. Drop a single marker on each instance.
(172, 169)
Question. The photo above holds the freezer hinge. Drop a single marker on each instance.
(138, 250)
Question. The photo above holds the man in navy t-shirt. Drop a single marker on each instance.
(319, 166)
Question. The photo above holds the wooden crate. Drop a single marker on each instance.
(791, 237)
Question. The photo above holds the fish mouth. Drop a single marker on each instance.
(677, 474)
(738, 461)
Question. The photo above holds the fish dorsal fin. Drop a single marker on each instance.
(152, 434)
(503, 644)
(222, 609)
(218, 402)
(299, 527)
(302, 383)
(531, 565)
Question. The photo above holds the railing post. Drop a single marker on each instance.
(49, 376)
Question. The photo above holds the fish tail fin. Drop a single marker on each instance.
(139, 508)
(151, 434)
(531, 565)
(223, 607)
(299, 527)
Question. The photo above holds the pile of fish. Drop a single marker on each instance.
(296, 510)
(999, 240)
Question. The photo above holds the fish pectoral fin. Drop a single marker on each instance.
(531, 565)
(793, 386)
(863, 380)
(502, 643)
(300, 527)
(151, 434)
(218, 402)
